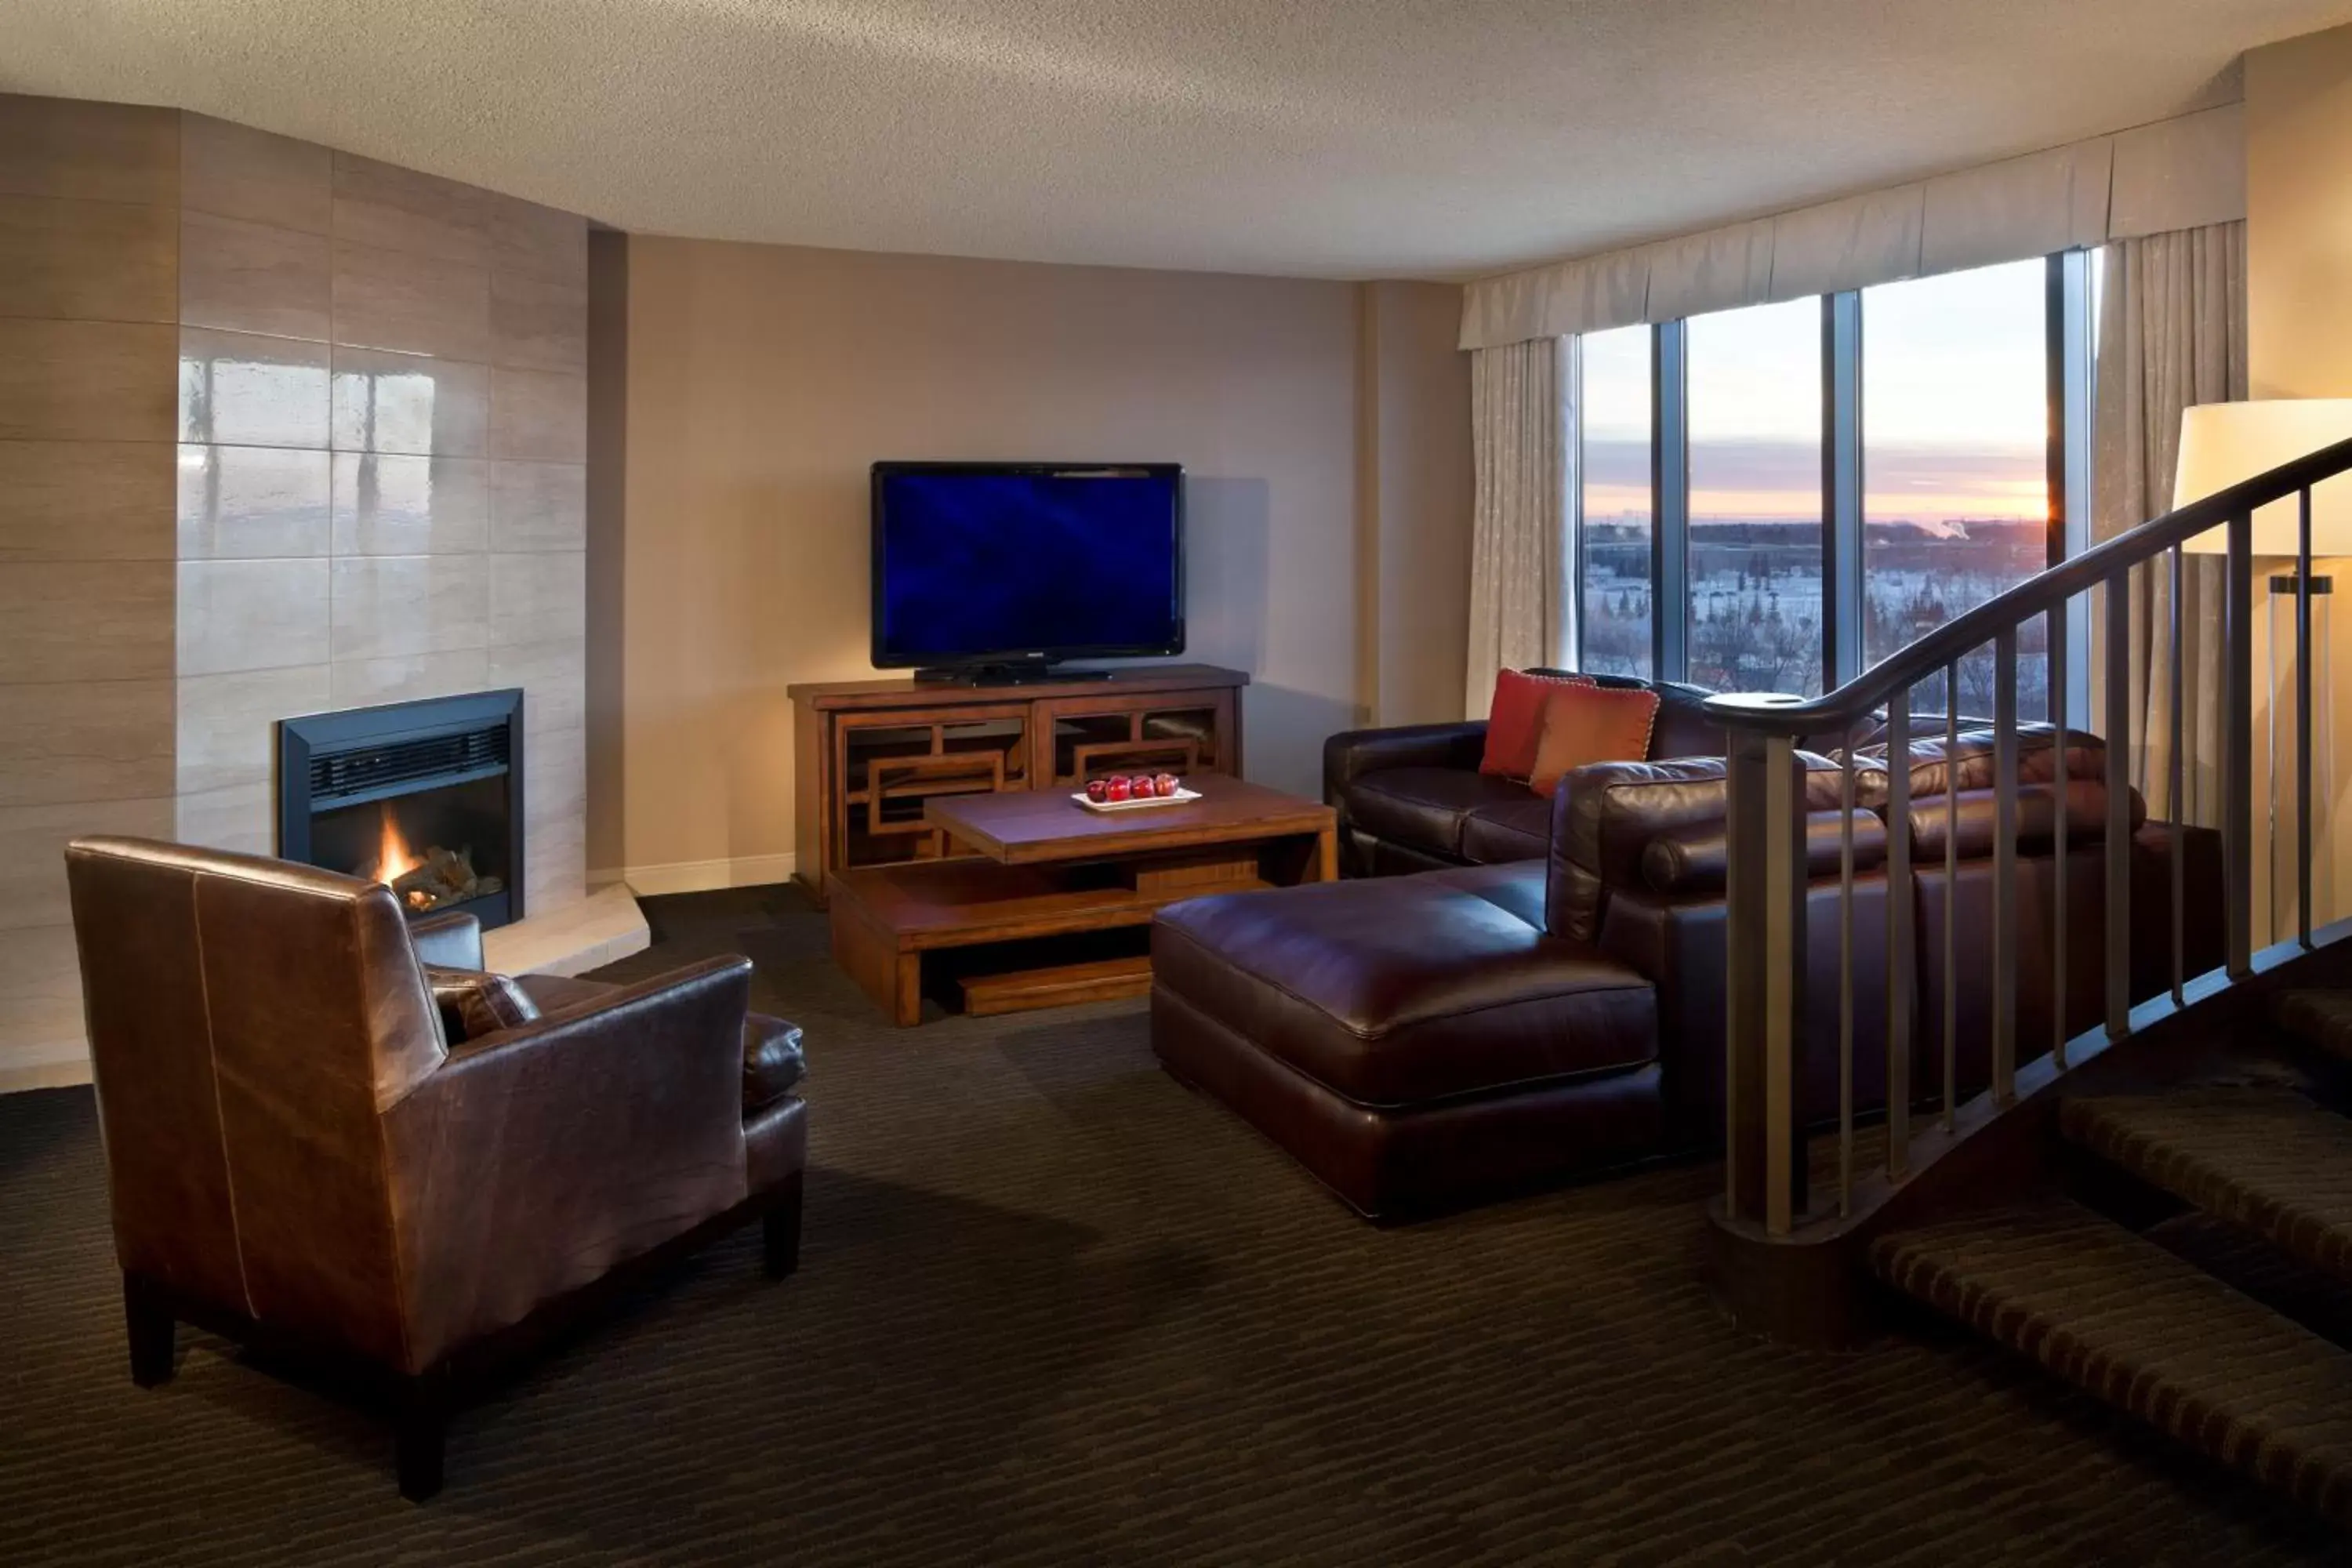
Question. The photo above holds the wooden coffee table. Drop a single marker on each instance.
(1047, 875)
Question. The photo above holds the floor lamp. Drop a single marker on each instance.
(2224, 443)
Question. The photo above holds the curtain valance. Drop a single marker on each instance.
(2176, 173)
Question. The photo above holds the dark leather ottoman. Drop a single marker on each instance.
(1417, 1043)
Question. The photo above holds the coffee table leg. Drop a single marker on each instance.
(1326, 856)
(906, 990)
(871, 957)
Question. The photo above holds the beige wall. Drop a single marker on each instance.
(761, 380)
(88, 293)
(1419, 469)
(2299, 216)
(2299, 344)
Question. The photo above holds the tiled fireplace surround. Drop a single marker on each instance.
(369, 487)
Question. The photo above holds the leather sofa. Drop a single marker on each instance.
(1424, 1041)
(1411, 798)
(301, 1154)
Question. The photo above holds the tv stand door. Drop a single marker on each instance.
(885, 765)
(1079, 737)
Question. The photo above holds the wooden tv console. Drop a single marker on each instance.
(866, 754)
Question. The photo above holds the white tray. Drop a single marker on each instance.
(1179, 798)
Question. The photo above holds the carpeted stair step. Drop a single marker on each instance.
(2124, 1319)
(2266, 1159)
(2320, 1019)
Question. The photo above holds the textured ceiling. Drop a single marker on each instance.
(1340, 138)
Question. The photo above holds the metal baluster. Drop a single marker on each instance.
(1951, 894)
(2238, 745)
(2303, 719)
(2118, 910)
(1743, 1140)
(1784, 850)
(2175, 789)
(2058, 716)
(1846, 980)
(1898, 934)
(2004, 868)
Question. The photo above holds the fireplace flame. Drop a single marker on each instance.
(392, 855)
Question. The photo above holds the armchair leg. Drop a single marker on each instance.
(779, 1232)
(154, 1334)
(420, 1436)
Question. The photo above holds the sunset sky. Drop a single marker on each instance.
(1953, 416)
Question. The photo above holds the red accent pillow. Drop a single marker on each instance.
(1515, 720)
(1591, 724)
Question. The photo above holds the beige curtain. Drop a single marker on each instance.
(2172, 332)
(1520, 602)
(2171, 174)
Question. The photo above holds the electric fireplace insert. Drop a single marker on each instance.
(425, 797)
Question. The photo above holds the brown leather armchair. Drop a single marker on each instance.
(298, 1155)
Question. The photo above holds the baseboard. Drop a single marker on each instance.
(699, 876)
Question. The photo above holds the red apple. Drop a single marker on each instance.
(1098, 790)
(1117, 788)
(1144, 787)
(1167, 783)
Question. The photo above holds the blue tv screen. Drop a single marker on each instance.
(981, 561)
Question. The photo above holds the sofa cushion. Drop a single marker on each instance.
(1682, 727)
(1973, 759)
(1696, 857)
(1605, 815)
(1973, 813)
(1425, 808)
(1407, 990)
(1582, 725)
(1507, 830)
(1515, 720)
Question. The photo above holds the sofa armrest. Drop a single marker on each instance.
(534, 1159)
(453, 941)
(1351, 753)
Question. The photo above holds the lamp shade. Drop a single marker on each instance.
(2224, 444)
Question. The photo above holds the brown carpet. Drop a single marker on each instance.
(2151, 1333)
(1054, 1309)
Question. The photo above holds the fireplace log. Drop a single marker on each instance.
(446, 877)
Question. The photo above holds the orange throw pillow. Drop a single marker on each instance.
(1515, 720)
(1585, 724)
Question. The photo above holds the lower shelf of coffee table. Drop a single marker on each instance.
(1056, 986)
(999, 939)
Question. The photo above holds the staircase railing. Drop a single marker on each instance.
(1767, 1191)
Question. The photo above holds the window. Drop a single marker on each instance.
(1755, 400)
(1614, 511)
(1956, 492)
(1924, 492)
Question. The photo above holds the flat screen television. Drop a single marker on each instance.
(989, 570)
